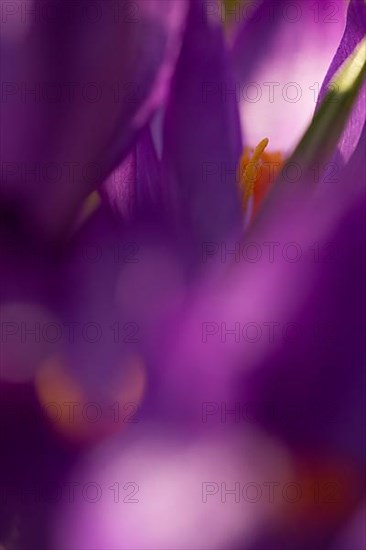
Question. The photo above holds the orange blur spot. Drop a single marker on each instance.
(324, 491)
(82, 417)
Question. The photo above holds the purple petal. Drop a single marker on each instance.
(81, 80)
(119, 281)
(281, 54)
(288, 319)
(356, 169)
(353, 34)
(91, 273)
(134, 188)
(353, 535)
(202, 143)
(168, 472)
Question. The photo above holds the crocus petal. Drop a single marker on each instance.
(81, 81)
(353, 34)
(356, 169)
(321, 362)
(91, 272)
(97, 343)
(290, 276)
(353, 535)
(281, 54)
(202, 142)
(134, 188)
(320, 141)
(167, 489)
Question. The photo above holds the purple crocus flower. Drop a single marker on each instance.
(129, 285)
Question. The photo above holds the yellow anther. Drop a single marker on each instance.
(249, 170)
(91, 203)
(258, 169)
